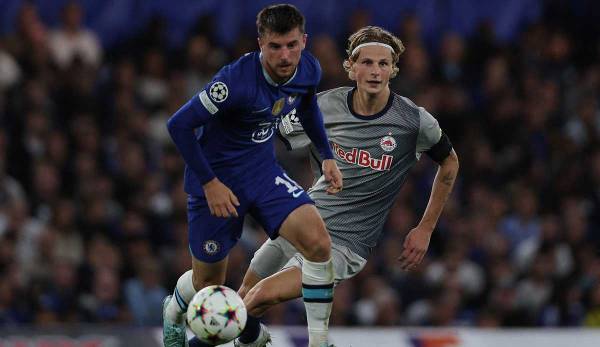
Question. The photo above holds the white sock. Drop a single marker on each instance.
(184, 292)
(317, 291)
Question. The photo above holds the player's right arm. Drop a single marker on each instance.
(220, 199)
(214, 100)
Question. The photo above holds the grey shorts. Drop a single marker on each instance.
(278, 254)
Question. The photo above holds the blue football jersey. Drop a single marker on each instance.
(242, 107)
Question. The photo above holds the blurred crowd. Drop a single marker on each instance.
(92, 210)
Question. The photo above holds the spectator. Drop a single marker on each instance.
(92, 204)
(72, 41)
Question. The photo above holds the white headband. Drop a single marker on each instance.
(371, 44)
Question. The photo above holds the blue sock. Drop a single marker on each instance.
(195, 342)
(251, 331)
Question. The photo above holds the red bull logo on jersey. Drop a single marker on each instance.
(387, 143)
(363, 158)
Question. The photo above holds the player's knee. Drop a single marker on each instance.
(322, 247)
(318, 246)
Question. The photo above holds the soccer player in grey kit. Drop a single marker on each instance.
(377, 136)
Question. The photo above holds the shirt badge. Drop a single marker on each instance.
(211, 247)
(387, 143)
(278, 107)
(218, 92)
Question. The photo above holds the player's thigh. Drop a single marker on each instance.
(210, 237)
(274, 198)
(305, 229)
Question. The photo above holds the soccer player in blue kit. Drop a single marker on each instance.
(224, 135)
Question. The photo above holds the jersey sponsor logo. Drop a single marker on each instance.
(363, 158)
(278, 106)
(218, 92)
(265, 132)
(387, 143)
(205, 101)
(211, 247)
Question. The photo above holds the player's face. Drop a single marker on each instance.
(281, 53)
(372, 69)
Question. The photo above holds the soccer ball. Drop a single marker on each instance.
(216, 315)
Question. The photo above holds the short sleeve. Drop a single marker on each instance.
(429, 132)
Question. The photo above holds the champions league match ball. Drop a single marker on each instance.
(216, 315)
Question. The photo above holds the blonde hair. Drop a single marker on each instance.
(373, 34)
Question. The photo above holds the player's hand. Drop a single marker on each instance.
(414, 247)
(333, 176)
(221, 200)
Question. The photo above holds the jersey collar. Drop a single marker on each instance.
(376, 115)
(269, 79)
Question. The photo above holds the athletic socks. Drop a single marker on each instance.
(183, 294)
(317, 292)
(251, 331)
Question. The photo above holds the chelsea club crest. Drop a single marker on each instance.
(211, 247)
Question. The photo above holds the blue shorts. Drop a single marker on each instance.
(269, 198)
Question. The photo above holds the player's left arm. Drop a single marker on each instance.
(416, 242)
(311, 119)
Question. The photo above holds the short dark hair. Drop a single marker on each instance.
(280, 19)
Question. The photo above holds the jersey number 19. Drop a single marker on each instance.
(291, 185)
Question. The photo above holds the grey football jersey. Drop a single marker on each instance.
(374, 154)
